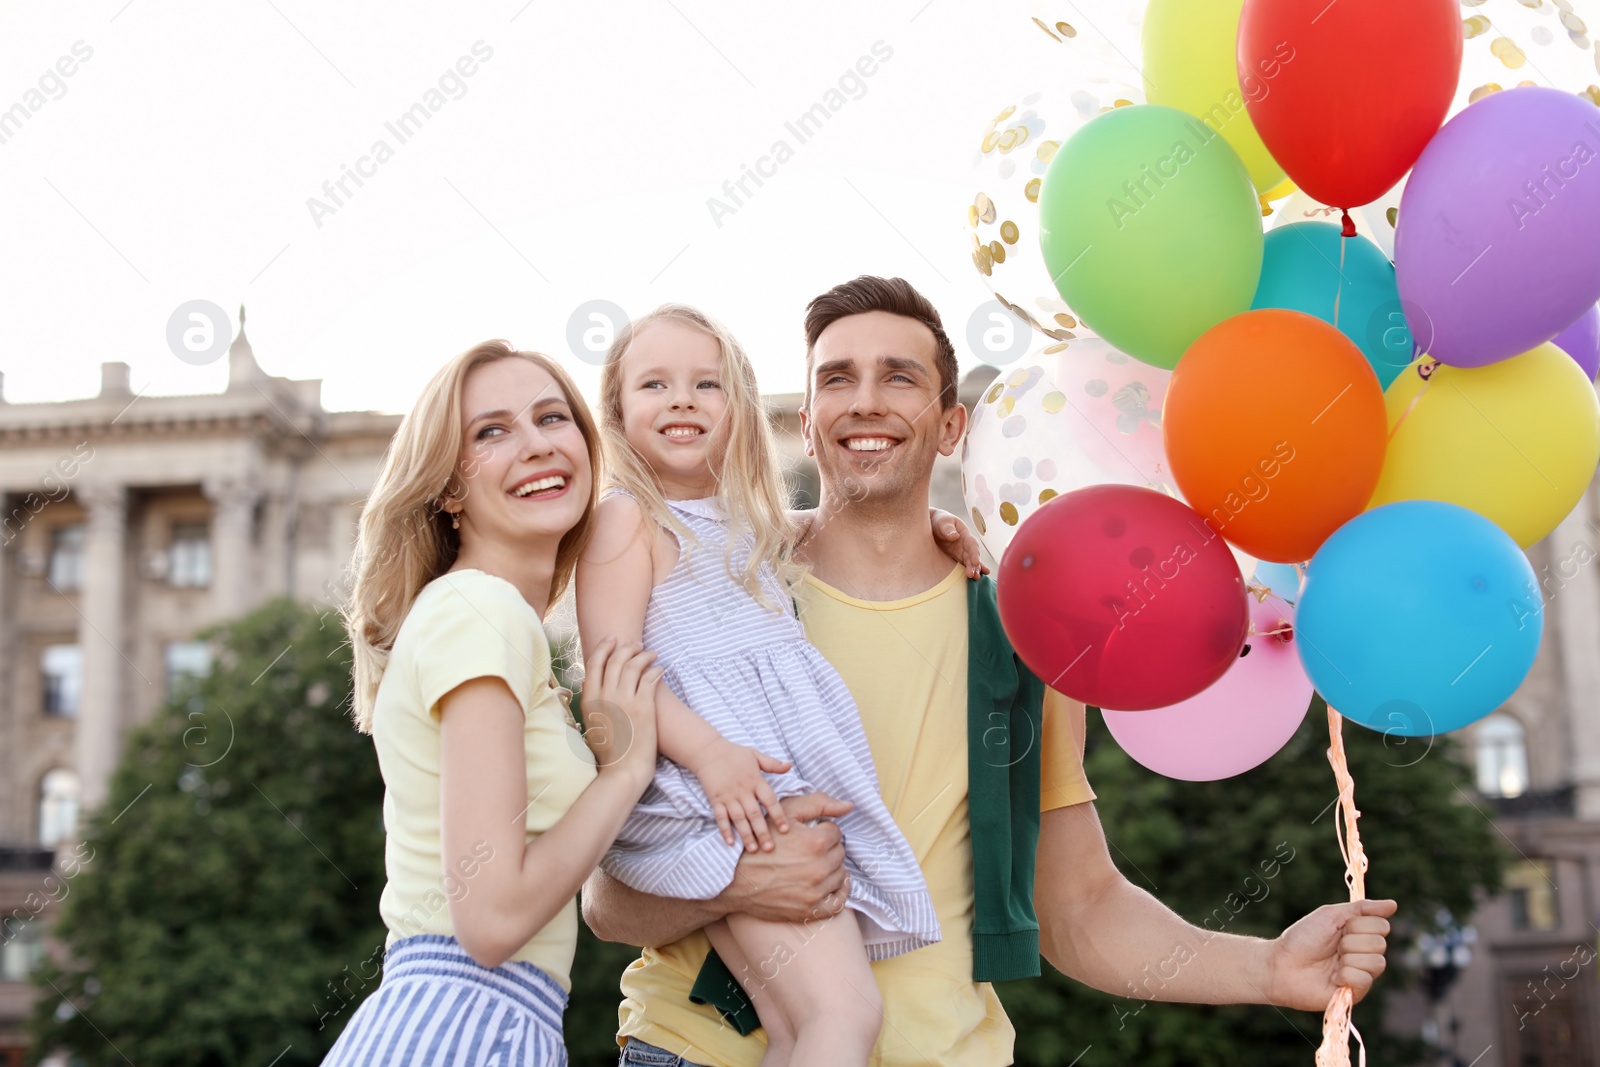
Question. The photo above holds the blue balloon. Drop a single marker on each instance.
(1281, 578)
(1303, 271)
(1418, 618)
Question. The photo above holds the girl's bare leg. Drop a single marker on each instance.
(816, 977)
(752, 975)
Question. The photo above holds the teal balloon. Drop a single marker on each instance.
(1151, 230)
(1418, 618)
(1303, 271)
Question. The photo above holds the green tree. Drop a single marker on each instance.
(226, 909)
(591, 1020)
(1194, 844)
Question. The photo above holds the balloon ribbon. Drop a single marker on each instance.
(1336, 1024)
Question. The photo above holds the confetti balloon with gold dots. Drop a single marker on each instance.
(1012, 151)
(1086, 415)
(1103, 34)
(1511, 43)
(1024, 447)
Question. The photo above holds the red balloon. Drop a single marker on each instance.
(1122, 597)
(1351, 91)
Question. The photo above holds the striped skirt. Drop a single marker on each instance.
(437, 1005)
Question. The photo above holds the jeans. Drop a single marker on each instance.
(638, 1054)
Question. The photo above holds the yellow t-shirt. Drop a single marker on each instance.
(905, 662)
(469, 624)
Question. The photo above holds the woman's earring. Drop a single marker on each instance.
(455, 520)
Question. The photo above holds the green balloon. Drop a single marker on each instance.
(1151, 229)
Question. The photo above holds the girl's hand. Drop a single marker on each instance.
(619, 708)
(732, 778)
(958, 542)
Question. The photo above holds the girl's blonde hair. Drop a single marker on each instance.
(750, 478)
(405, 539)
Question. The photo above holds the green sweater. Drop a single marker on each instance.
(1004, 704)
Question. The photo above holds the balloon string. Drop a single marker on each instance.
(1336, 1023)
(1282, 628)
(1410, 407)
(1338, 285)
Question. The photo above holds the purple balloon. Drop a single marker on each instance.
(1581, 341)
(1497, 248)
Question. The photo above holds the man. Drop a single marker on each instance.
(964, 758)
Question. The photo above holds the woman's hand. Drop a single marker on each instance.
(958, 542)
(619, 709)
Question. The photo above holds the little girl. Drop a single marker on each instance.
(690, 553)
(493, 809)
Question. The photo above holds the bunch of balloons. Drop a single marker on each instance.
(1383, 426)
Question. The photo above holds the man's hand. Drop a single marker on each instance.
(1338, 944)
(803, 877)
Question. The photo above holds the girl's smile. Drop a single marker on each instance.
(674, 406)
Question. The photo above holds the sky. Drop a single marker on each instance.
(570, 154)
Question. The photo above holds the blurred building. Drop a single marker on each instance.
(130, 523)
(1529, 995)
(127, 525)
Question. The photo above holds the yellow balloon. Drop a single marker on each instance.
(1516, 441)
(1281, 190)
(1189, 63)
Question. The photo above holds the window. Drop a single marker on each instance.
(62, 667)
(66, 557)
(189, 558)
(58, 807)
(186, 659)
(1502, 757)
(1530, 888)
(1549, 1021)
(21, 947)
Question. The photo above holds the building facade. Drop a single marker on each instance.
(127, 525)
(1529, 995)
(130, 523)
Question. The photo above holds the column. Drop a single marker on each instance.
(233, 503)
(1574, 613)
(14, 808)
(97, 739)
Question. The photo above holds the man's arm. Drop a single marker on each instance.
(802, 878)
(1100, 929)
(616, 911)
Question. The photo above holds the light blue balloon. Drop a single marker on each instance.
(1302, 271)
(1281, 578)
(1418, 618)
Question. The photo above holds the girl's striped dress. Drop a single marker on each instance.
(749, 671)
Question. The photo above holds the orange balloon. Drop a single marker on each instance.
(1275, 429)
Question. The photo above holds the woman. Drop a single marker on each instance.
(495, 808)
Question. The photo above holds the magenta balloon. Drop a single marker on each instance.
(1239, 723)
(1497, 248)
(1581, 341)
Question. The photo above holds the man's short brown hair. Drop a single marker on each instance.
(896, 296)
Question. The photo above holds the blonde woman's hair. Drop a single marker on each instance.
(750, 476)
(405, 539)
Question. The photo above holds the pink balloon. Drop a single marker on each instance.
(1238, 723)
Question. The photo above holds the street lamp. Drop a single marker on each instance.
(1440, 958)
